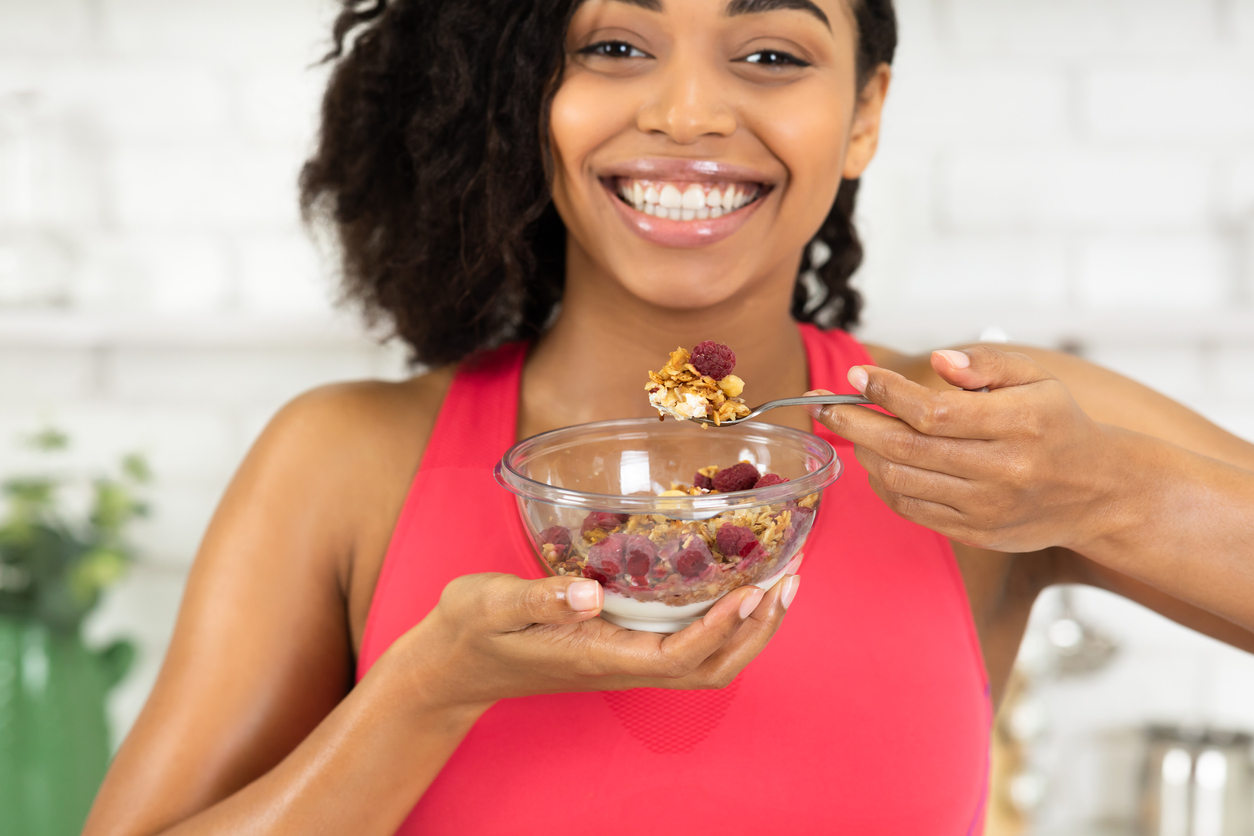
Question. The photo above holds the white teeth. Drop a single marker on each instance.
(665, 200)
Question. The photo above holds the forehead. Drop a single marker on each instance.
(734, 8)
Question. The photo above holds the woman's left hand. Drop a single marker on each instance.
(1018, 468)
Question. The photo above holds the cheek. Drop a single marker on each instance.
(810, 136)
(581, 119)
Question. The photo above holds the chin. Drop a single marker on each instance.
(686, 290)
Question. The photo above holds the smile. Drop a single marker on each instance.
(680, 200)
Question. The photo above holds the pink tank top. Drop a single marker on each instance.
(868, 713)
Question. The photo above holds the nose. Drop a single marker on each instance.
(689, 102)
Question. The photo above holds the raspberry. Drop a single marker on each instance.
(702, 481)
(558, 535)
(601, 519)
(639, 553)
(692, 558)
(769, 479)
(735, 540)
(714, 359)
(605, 559)
(738, 477)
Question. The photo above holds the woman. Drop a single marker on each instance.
(478, 162)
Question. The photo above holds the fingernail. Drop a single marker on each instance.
(957, 359)
(794, 565)
(582, 595)
(858, 378)
(790, 590)
(815, 411)
(751, 602)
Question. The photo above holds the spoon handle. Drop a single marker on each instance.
(819, 400)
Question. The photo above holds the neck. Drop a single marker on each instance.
(592, 365)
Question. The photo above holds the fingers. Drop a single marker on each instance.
(508, 603)
(897, 441)
(892, 477)
(680, 654)
(982, 365)
(952, 413)
(722, 666)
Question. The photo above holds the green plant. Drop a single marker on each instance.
(54, 568)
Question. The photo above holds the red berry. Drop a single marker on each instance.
(558, 535)
(605, 558)
(589, 572)
(714, 359)
(769, 479)
(601, 519)
(639, 552)
(692, 558)
(738, 477)
(735, 540)
(702, 481)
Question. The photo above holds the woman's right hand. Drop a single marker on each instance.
(494, 636)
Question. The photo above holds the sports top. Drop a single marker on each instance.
(867, 713)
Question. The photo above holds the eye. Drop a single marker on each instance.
(774, 58)
(613, 49)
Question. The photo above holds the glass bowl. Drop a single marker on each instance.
(589, 500)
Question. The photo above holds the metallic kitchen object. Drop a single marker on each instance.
(812, 400)
(1076, 648)
(1197, 783)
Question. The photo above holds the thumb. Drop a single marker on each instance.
(982, 366)
(511, 603)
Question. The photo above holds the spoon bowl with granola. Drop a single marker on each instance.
(665, 517)
(699, 386)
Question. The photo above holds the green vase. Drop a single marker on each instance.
(54, 739)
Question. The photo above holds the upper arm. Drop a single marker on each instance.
(262, 649)
(1111, 398)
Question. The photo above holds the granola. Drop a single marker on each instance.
(652, 557)
(684, 389)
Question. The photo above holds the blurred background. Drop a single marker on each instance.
(1068, 173)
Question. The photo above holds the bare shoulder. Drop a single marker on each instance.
(275, 600)
(351, 451)
(342, 421)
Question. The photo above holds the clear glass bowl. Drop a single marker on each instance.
(588, 496)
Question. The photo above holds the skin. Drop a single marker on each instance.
(1060, 473)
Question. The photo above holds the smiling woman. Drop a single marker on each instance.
(462, 246)
(550, 195)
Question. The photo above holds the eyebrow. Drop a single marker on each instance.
(748, 7)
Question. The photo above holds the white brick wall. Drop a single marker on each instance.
(1072, 189)
(1074, 171)
(1172, 106)
(1168, 272)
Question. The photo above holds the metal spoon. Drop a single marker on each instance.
(813, 400)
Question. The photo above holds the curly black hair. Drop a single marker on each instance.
(433, 173)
